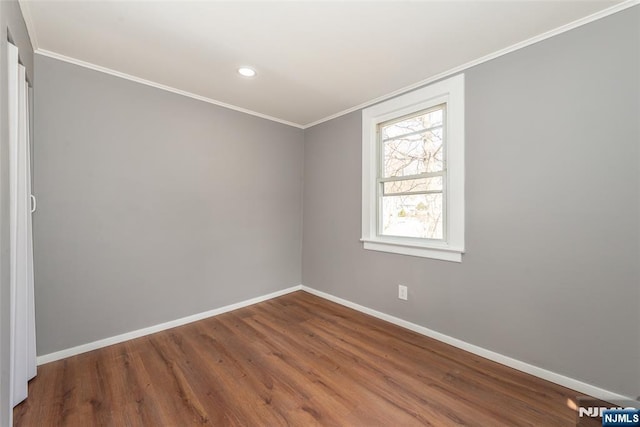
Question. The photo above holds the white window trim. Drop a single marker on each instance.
(450, 91)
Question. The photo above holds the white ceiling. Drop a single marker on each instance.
(314, 59)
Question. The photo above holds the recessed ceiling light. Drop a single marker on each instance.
(246, 71)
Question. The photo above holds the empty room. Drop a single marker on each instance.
(319, 213)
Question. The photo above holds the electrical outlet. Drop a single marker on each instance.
(403, 293)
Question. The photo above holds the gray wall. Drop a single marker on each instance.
(551, 274)
(12, 24)
(153, 206)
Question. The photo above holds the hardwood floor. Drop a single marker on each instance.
(297, 360)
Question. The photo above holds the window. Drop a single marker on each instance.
(413, 173)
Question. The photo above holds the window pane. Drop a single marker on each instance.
(409, 185)
(413, 216)
(413, 124)
(413, 145)
(414, 154)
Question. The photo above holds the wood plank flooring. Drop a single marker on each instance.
(297, 360)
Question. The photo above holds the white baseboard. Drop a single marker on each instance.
(51, 357)
(553, 377)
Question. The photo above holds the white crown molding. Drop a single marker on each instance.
(28, 20)
(73, 351)
(126, 76)
(551, 33)
(536, 371)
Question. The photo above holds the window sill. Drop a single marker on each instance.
(414, 249)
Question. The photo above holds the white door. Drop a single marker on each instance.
(23, 351)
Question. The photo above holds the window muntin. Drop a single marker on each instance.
(411, 176)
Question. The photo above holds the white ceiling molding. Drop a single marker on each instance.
(125, 76)
(570, 26)
(40, 37)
